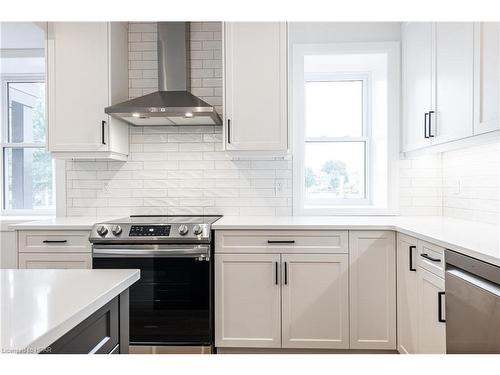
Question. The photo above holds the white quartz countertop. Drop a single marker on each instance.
(7, 221)
(39, 306)
(478, 240)
(61, 223)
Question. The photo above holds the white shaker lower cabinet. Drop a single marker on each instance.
(407, 294)
(55, 260)
(54, 249)
(247, 300)
(315, 301)
(372, 285)
(431, 324)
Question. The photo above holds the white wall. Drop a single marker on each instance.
(471, 183)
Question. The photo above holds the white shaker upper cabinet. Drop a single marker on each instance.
(438, 87)
(453, 117)
(487, 77)
(255, 86)
(417, 83)
(87, 70)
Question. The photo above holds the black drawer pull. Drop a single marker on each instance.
(55, 241)
(285, 241)
(430, 124)
(286, 273)
(440, 308)
(103, 139)
(426, 115)
(427, 256)
(411, 258)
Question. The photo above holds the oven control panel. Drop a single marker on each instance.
(149, 230)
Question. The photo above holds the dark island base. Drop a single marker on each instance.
(104, 332)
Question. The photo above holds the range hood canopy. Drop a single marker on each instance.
(172, 104)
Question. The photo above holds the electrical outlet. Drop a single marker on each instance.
(279, 186)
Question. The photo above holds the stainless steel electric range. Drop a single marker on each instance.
(172, 304)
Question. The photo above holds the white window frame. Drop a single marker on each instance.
(297, 117)
(5, 79)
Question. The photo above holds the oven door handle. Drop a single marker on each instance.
(199, 252)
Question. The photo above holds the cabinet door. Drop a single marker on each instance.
(247, 300)
(417, 82)
(255, 86)
(431, 331)
(372, 285)
(453, 117)
(78, 82)
(315, 301)
(407, 294)
(55, 261)
(487, 77)
(8, 249)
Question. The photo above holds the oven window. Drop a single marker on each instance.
(170, 304)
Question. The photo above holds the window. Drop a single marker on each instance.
(336, 139)
(344, 159)
(27, 166)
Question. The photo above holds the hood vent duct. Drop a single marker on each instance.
(173, 104)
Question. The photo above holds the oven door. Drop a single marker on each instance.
(171, 304)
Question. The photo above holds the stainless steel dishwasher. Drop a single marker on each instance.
(472, 305)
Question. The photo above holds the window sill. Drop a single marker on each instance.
(346, 211)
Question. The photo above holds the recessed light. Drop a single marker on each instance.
(136, 115)
(188, 114)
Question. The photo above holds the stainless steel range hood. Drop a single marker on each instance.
(172, 104)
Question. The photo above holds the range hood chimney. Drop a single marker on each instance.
(173, 104)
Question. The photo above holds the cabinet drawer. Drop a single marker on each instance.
(253, 241)
(431, 258)
(55, 261)
(54, 242)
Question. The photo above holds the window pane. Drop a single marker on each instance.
(334, 109)
(26, 112)
(335, 170)
(28, 179)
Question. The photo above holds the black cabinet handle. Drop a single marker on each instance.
(425, 124)
(430, 124)
(228, 130)
(411, 248)
(440, 308)
(283, 242)
(103, 125)
(55, 241)
(286, 273)
(276, 273)
(427, 256)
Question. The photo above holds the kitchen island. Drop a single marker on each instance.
(65, 311)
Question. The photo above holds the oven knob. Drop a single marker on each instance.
(197, 229)
(183, 230)
(102, 230)
(116, 230)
